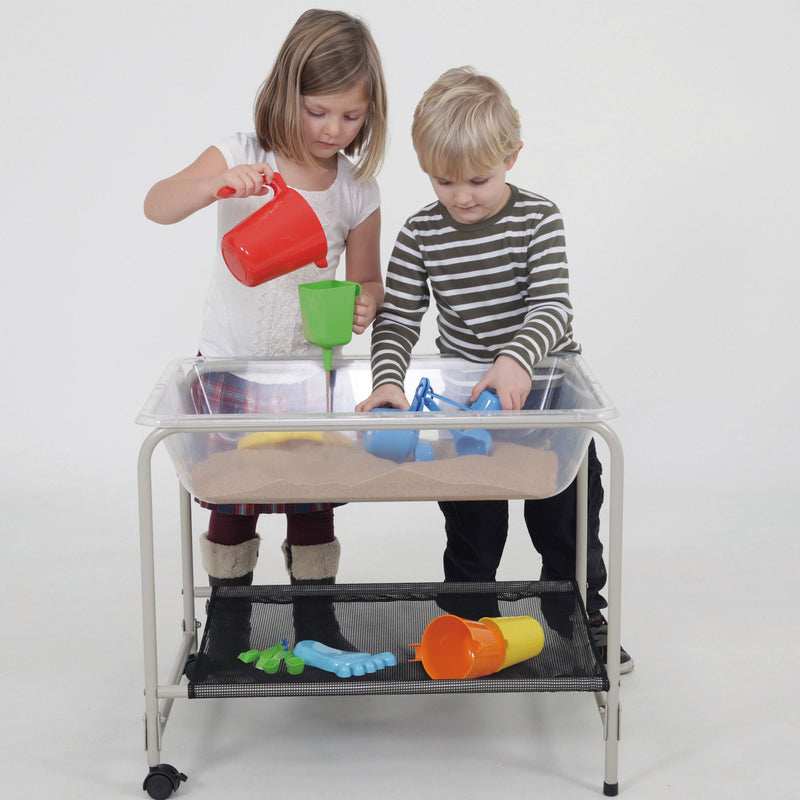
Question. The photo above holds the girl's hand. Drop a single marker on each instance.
(364, 268)
(244, 180)
(389, 395)
(197, 186)
(365, 311)
(510, 381)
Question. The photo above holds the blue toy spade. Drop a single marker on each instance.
(397, 445)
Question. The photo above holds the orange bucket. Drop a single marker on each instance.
(455, 648)
(281, 236)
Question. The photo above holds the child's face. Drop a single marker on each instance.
(331, 121)
(477, 196)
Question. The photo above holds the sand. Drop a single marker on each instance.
(305, 471)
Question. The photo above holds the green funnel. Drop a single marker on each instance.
(327, 308)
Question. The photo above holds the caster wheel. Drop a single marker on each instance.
(162, 781)
(196, 667)
(190, 668)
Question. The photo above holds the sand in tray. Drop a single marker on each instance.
(304, 471)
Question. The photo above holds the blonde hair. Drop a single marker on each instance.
(326, 52)
(464, 121)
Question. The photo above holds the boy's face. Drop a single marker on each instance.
(475, 197)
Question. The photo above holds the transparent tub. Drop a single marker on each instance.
(257, 431)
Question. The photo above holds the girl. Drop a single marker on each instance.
(324, 99)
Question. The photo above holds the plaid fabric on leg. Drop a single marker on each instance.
(227, 393)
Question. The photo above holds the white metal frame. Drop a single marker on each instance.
(159, 698)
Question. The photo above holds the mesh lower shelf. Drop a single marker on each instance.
(377, 618)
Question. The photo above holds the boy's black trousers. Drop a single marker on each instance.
(477, 531)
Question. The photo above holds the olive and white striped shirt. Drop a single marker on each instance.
(501, 286)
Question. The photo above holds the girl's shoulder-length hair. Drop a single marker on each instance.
(326, 52)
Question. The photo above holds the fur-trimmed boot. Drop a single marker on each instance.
(229, 565)
(314, 617)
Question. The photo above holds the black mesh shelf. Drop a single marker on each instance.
(388, 617)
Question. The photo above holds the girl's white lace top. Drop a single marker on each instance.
(243, 321)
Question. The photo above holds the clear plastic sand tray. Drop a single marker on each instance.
(257, 431)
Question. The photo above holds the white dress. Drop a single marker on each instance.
(242, 321)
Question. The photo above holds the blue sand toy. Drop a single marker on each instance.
(342, 663)
(397, 445)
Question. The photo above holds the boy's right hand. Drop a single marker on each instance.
(244, 180)
(386, 396)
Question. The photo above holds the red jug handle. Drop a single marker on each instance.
(277, 183)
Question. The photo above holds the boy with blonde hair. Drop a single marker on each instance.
(493, 256)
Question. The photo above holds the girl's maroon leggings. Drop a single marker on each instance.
(311, 527)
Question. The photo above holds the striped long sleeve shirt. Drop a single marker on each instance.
(501, 287)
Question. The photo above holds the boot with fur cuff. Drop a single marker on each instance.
(229, 564)
(314, 617)
(229, 633)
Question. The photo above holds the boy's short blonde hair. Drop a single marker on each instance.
(464, 122)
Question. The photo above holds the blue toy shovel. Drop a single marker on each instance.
(469, 442)
(398, 445)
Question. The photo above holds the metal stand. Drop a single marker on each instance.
(162, 779)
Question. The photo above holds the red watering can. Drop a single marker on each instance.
(281, 236)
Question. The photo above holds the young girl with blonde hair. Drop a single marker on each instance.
(324, 100)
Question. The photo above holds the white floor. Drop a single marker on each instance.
(711, 709)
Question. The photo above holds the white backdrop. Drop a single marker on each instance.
(666, 131)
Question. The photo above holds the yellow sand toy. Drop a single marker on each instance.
(269, 438)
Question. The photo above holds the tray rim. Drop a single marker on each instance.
(176, 371)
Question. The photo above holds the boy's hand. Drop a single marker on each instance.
(244, 180)
(388, 395)
(364, 313)
(510, 381)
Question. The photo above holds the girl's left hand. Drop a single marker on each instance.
(364, 313)
(510, 381)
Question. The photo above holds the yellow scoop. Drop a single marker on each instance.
(268, 438)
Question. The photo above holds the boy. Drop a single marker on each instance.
(494, 257)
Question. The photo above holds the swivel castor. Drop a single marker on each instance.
(162, 781)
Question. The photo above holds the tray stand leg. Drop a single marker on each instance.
(149, 631)
(161, 779)
(190, 622)
(610, 708)
(581, 529)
